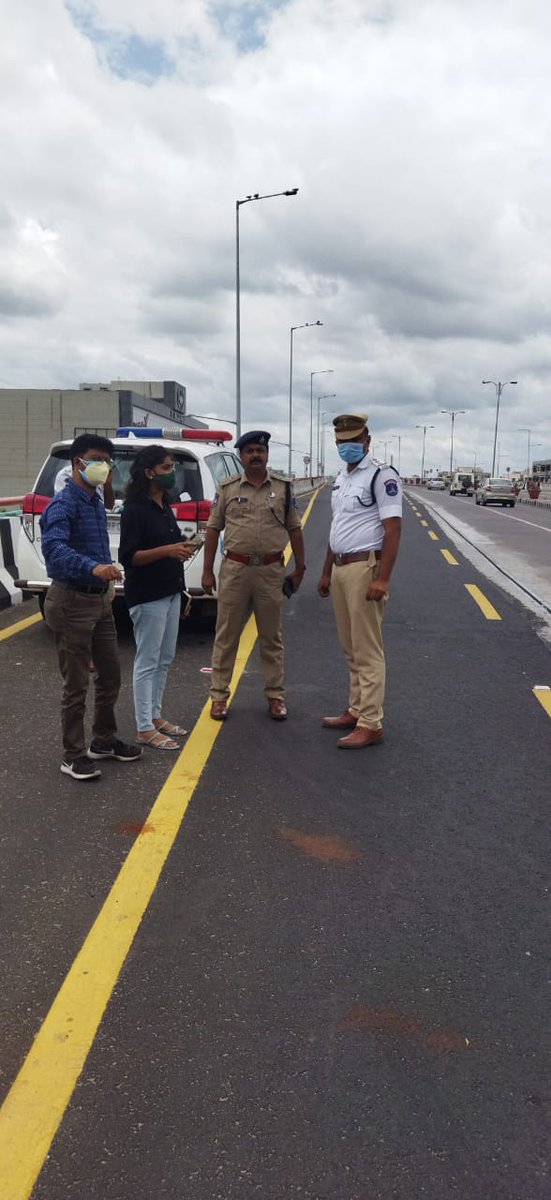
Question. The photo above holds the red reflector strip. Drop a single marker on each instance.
(32, 503)
(192, 510)
(204, 508)
(186, 511)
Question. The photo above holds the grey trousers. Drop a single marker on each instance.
(84, 630)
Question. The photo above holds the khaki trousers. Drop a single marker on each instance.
(239, 587)
(84, 630)
(359, 626)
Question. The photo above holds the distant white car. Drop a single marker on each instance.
(436, 485)
(201, 459)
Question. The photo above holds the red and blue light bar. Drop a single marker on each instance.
(188, 435)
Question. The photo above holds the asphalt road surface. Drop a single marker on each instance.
(339, 987)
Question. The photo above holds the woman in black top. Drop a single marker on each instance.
(152, 552)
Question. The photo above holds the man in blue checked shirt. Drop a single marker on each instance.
(78, 608)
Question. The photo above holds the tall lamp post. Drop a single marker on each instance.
(499, 388)
(453, 415)
(238, 203)
(326, 396)
(529, 432)
(307, 325)
(328, 371)
(398, 437)
(424, 428)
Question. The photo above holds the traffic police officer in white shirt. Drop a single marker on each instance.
(363, 544)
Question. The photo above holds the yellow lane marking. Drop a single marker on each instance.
(488, 609)
(433, 535)
(36, 1102)
(447, 554)
(425, 523)
(543, 694)
(19, 626)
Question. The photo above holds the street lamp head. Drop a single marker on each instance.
(513, 381)
(291, 192)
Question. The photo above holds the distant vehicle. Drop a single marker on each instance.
(496, 491)
(201, 459)
(436, 485)
(462, 484)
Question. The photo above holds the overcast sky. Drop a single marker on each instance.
(418, 134)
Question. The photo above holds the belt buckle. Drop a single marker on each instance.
(338, 560)
(255, 560)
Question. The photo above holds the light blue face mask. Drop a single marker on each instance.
(352, 452)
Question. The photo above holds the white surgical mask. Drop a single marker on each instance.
(95, 473)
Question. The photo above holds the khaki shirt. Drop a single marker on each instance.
(253, 518)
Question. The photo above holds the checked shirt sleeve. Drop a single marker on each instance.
(62, 562)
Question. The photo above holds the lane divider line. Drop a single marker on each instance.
(33, 1109)
(433, 535)
(543, 693)
(11, 630)
(447, 554)
(425, 523)
(488, 609)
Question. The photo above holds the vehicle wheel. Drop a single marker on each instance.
(511, 504)
(41, 601)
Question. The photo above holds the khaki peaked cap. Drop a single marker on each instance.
(350, 426)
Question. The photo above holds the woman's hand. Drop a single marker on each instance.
(181, 550)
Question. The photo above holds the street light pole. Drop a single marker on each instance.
(238, 203)
(453, 415)
(307, 325)
(398, 437)
(326, 396)
(424, 428)
(328, 371)
(529, 432)
(499, 388)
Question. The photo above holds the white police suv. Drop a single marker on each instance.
(201, 460)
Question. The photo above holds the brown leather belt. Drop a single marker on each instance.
(360, 556)
(254, 560)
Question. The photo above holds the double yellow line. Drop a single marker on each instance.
(34, 1107)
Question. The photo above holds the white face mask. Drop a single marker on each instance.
(95, 473)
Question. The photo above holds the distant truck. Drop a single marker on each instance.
(462, 483)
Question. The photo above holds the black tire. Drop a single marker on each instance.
(41, 602)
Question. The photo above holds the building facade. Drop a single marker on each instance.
(32, 418)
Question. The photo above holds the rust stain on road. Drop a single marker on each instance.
(360, 1019)
(326, 848)
(133, 828)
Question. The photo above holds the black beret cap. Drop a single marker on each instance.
(256, 435)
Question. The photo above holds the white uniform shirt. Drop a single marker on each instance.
(357, 521)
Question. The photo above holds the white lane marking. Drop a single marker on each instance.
(523, 521)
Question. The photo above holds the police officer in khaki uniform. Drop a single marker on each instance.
(258, 514)
(363, 543)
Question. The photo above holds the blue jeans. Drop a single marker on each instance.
(156, 632)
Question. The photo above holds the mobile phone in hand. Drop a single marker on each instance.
(287, 588)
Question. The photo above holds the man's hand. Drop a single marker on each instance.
(296, 577)
(377, 590)
(107, 571)
(324, 585)
(208, 582)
